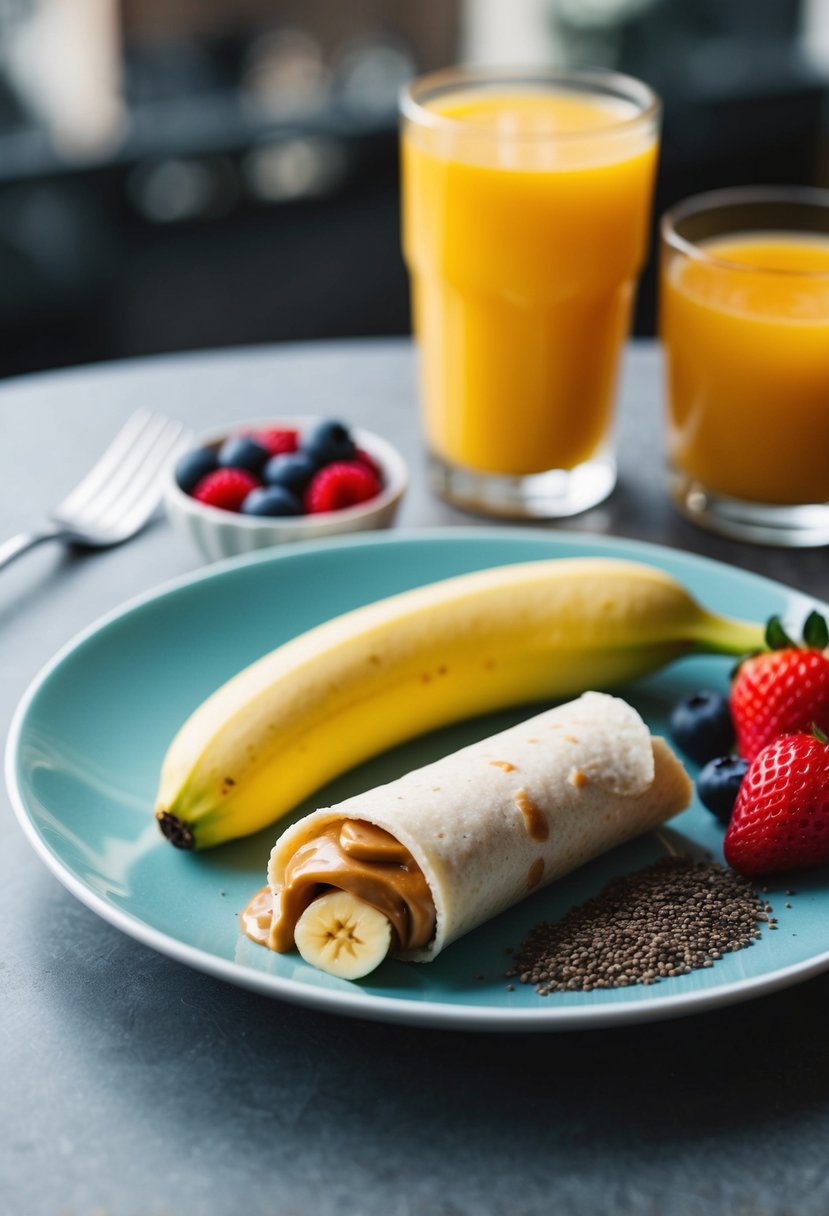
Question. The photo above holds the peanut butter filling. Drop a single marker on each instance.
(355, 856)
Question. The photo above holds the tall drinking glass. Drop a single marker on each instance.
(526, 213)
(744, 318)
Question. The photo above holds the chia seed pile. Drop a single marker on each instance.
(671, 918)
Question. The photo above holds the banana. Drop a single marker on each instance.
(362, 682)
(343, 935)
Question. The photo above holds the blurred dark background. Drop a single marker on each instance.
(182, 174)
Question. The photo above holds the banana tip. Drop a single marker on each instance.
(175, 830)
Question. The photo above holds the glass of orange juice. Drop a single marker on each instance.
(526, 202)
(744, 320)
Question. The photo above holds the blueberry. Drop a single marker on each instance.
(271, 500)
(719, 783)
(192, 466)
(241, 452)
(329, 441)
(293, 470)
(701, 726)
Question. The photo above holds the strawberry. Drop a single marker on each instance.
(781, 816)
(342, 484)
(277, 440)
(225, 488)
(782, 690)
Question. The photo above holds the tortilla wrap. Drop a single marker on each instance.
(501, 818)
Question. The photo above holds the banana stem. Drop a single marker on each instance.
(727, 635)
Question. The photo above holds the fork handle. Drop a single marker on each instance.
(16, 545)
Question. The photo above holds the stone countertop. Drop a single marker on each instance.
(134, 1086)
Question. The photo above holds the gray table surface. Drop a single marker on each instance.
(133, 1086)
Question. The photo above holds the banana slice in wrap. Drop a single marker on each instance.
(478, 831)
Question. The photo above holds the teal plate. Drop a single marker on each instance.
(88, 739)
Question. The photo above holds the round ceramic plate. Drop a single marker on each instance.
(88, 739)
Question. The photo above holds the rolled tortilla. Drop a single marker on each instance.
(491, 823)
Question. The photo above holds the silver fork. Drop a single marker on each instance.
(119, 493)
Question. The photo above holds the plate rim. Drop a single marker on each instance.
(426, 1013)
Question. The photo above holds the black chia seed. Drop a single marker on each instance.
(671, 918)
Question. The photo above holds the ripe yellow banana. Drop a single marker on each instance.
(371, 678)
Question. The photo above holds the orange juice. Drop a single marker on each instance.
(745, 323)
(525, 225)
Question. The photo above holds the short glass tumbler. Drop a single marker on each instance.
(744, 321)
(526, 212)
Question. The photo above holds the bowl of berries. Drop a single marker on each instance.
(266, 483)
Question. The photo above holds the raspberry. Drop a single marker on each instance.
(225, 488)
(277, 439)
(364, 457)
(338, 485)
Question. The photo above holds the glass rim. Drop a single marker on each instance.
(472, 76)
(735, 196)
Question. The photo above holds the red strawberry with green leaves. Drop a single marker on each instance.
(781, 817)
(782, 690)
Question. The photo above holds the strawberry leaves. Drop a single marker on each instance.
(776, 636)
(815, 632)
